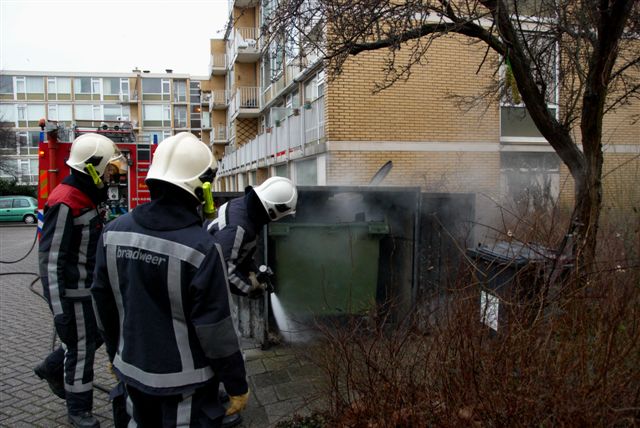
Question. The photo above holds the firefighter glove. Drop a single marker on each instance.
(255, 283)
(237, 403)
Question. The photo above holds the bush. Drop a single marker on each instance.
(573, 361)
(8, 188)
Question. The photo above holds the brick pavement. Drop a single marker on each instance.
(282, 379)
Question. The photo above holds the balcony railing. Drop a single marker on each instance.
(245, 45)
(218, 135)
(292, 134)
(219, 99)
(246, 98)
(217, 64)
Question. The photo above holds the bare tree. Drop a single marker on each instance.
(597, 43)
(7, 146)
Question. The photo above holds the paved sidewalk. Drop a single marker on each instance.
(282, 379)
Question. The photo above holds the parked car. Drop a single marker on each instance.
(18, 208)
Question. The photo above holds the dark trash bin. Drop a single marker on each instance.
(511, 277)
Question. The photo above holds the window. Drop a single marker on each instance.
(530, 181)
(87, 88)
(116, 112)
(124, 89)
(29, 88)
(30, 114)
(60, 112)
(281, 170)
(194, 92)
(180, 91)
(59, 88)
(195, 115)
(307, 172)
(515, 121)
(89, 112)
(156, 89)
(314, 87)
(111, 88)
(156, 115)
(276, 54)
(8, 113)
(180, 116)
(6, 87)
(27, 142)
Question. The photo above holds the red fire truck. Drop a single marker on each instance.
(124, 179)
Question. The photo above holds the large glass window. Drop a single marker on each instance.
(89, 112)
(111, 88)
(307, 172)
(60, 112)
(195, 115)
(116, 112)
(29, 88)
(30, 114)
(8, 114)
(156, 89)
(87, 88)
(180, 116)
(6, 87)
(515, 121)
(59, 88)
(530, 181)
(180, 91)
(156, 115)
(27, 142)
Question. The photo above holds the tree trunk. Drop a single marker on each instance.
(586, 216)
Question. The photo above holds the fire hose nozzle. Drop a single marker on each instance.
(265, 276)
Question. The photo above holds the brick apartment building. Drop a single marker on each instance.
(285, 117)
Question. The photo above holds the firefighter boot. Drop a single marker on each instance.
(83, 420)
(231, 420)
(55, 378)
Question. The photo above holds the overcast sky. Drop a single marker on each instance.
(109, 35)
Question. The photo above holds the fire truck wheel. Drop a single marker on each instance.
(29, 219)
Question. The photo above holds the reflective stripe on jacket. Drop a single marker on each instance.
(162, 303)
(67, 246)
(238, 238)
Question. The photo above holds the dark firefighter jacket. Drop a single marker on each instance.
(162, 303)
(72, 226)
(236, 228)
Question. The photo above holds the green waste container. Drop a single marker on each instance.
(327, 269)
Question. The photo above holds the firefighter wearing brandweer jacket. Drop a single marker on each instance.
(72, 226)
(161, 296)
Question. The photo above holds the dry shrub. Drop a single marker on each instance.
(572, 359)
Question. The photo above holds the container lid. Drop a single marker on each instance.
(512, 253)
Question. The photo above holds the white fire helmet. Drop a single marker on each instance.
(94, 149)
(183, 161)
(279, 197)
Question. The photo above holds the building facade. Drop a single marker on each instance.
(157, 104)
(284, 117)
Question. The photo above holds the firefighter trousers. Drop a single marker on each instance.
(78, 332)
(199, 408)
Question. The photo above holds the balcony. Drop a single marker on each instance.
(205, 98)
(245, 45)
(246, 102)
(292, 136)
(219, 99)
(218, 135)
(217, 64)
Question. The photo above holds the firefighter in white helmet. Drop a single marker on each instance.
(70, 232)
(239, 222)
(161, 298)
